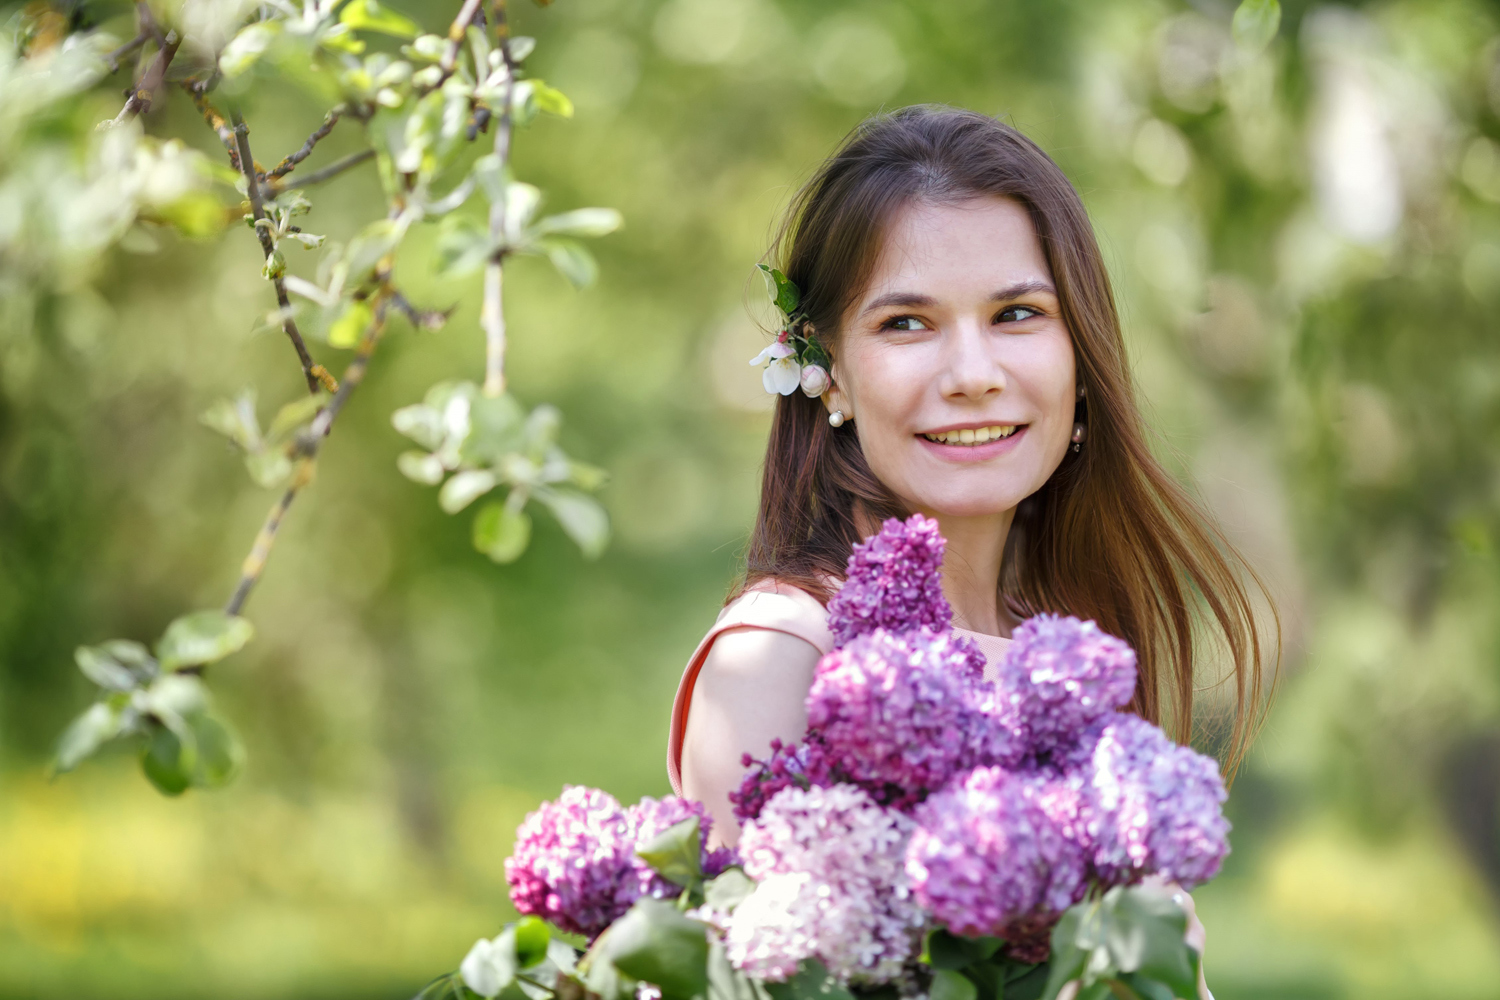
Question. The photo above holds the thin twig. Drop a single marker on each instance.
(492, 311)
(124, 50)
(422, 319)
(268, 246)
(287, 165)
(215, 121)
(139, 101)
(456, 34)
(308, 445)
(332, 170)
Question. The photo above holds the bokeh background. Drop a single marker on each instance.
(1306, 249)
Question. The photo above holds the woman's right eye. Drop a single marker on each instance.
(903, 323)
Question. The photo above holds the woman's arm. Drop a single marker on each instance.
(751, 689)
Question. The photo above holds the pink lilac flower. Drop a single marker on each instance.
(1152, 806)
(1058, 676)
(991, 856)
(830, 863)
(651, 817)
(572, 863)
(900, 714)
(893, 581)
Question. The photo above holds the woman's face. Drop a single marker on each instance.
(954, 363)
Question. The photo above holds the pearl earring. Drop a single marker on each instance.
(836, 418)
(1079, 433)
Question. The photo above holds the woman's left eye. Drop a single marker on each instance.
(1014, 314)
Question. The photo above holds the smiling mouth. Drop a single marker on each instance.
(971, 436)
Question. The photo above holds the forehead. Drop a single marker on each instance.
(984, 241)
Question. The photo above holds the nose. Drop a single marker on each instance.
(971, 370)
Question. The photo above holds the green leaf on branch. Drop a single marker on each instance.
(268, 468)
(949, 951)
(783, 291)
(168, 761)
(1071, 947)
(421, 467)
(1255, 23)
(99, 724)
(656, 944)
(235, 419)
(571, 260)
(296, 413)
(464, 488)
(463, 247)
(501, 533)
(118, 665)
(246, 48)
(581, 517)
(367, 15)
(422, 423)
(347, 330)
(202, 637)
(675, 853)
(581, 222)
(551, 100)
(599, 972)
(220, 753)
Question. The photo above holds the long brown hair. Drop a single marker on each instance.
(1110, 536)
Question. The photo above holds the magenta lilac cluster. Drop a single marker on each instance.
(790, 765)
(992, 856)
(893, 581)
(900, 714)
(574, 862)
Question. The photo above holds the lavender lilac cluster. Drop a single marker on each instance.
(574, 862)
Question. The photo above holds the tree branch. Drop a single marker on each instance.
(308, 445)
(287, 165)
(258, 212)
(139, 101)
(124, 50)
(332, 170)
(456, 33)
(215, 121)
(492, 312)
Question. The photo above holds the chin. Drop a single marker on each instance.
(970, 501)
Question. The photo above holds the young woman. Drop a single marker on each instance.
(979, 377)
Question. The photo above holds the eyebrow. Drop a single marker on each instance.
(1015, 291)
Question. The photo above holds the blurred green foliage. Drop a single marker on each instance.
(1306, 243)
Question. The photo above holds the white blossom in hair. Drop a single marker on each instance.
(797, 359)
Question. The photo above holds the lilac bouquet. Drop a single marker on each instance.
(936, 832)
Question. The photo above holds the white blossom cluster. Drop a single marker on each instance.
(830, 863)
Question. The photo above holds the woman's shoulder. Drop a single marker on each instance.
(781, 606)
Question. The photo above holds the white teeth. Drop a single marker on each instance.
(973, 435)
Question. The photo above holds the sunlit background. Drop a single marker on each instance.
(1306, 248)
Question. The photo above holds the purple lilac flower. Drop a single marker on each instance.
(1152, 806)
(572, 862)
(801, 765)
(991, 856)
(1059, 676)
(651, 817)
(900, 714)
(830, 863)
(893, 581)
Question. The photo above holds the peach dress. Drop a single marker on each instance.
(780, 607)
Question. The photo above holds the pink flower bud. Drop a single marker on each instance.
(815, 380)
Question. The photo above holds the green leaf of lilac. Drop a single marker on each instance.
(581, 517)
(599, 972)
(501, 533)
(948, 984)
(1255, 23)
(656, 944)
(202, 637)
(100, 723)
(1070, 949)
(296, 413)
(675, 852)
(103, 669)
(420, 467)
(532, 939)
(220, 753)
(367, 15)
(812, 982)
(422, 423)
(1145, 932)
(728, 889)
(463, 247)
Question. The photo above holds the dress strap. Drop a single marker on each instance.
(767, 604)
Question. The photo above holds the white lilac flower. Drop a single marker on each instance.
(783, 375)
(830, 864)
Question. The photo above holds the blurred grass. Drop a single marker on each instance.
(1335, 397)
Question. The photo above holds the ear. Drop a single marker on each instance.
(835, 398)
